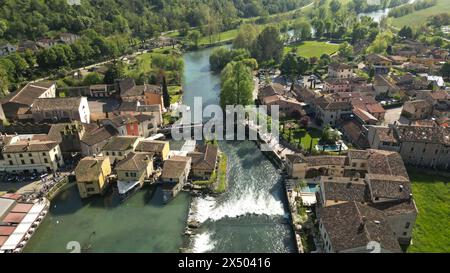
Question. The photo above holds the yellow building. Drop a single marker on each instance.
(92, 175)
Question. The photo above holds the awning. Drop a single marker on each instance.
(125, 186)
(21, 230)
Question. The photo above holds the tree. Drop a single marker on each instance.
(345, 50)
(237, 85)
(20, 65)
(92, 78)
(289, 66)
(304, 121)
(269, 46)
(116, 71)
(302, 65)
(3, 27)
(194, 37)
(329, 135)
(406, 32)
(4, 82)
(335, 5)
(221, 56)
(184, 29)
(302, 30)
(166, 95)
(445, 70)
(246, 36)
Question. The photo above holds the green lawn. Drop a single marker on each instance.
(313, 48)
(224, 36)
(420, 17)
(222, 170)
(432, 229)
(303, 136)
(143, 64)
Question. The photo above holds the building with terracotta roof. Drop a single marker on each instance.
(92, 175)
(174, 175)
(373, 178)
(204, 161)
(118, 147)
(133, 170)
(426, 146)
(340, 71)
(61, 109)
(30, 154)
(17, 105)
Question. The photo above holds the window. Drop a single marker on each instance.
(45, 160)
(412, 149)
(31, 161)
(133, 174)
(363, 165)
(404, 233)
(30, 155)
(11, 163)
(353, 164)
(9, 156)
(44, 154)
(126, 174)
(120, 153)
(22, 161)
(114, 153)
(407, 224)
(20, 155)
(107, 153)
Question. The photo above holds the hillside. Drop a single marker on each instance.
(32, 19)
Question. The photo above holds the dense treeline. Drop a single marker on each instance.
(360, 6)
(410, 8)
(32, 19)
(438, 20)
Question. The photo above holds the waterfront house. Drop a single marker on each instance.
(61, 109)
(159, 148)
(118, 147)
(300, 166)
(174, 175)
(204, 161)
(133, 170)
(147, 94)
(30, 154)
(17, 105)
(92, 175)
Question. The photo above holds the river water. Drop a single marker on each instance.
(249, 217)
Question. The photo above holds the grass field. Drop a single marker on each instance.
(420, 17)
(303, 136)
(224, 36)
(431, 232)
(313, 48)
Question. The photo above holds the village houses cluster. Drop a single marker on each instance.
(102, 144)
(398, 116)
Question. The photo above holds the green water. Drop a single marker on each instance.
(104, 224)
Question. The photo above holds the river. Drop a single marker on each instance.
(378, 14)
(249, 217)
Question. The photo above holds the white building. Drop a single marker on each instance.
(30, 154)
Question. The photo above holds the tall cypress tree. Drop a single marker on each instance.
(166, 95)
